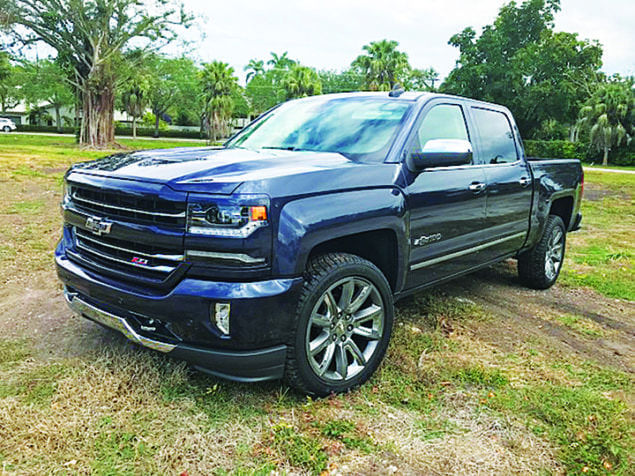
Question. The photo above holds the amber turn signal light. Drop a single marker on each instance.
(258, 213)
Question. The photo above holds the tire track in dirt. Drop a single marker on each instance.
(522, 315)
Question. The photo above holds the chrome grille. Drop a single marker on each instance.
(149, 260)
(132, 208)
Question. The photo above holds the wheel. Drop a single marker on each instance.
(343, 325)
(6, 129)
(540, 266)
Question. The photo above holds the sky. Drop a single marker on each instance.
(329, 34)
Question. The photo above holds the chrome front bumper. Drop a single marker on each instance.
(117, 323)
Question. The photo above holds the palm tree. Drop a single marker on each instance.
(609, 116)
(255, 67)
(135, 98)
(382, 65)
(281, 61)
(218, 83)
(301, 81)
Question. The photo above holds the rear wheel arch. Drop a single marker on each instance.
(563, 207)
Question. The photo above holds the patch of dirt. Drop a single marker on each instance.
(595, 193)
(522, 315)
(38, 312)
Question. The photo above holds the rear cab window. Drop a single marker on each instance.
(496, 137)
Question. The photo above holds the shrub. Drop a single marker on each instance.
(556, 149)
(36, 128)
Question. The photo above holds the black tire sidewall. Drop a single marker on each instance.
(532, 264)
(357, 268)
(6, 129)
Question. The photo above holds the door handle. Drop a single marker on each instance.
(477, 187)
(524, 182)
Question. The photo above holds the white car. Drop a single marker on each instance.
(7, 125)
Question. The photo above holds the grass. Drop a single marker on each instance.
(443, 402)
(601, 255)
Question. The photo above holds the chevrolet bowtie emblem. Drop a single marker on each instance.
(98, 225)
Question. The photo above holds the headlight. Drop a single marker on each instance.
(226, 219)
(66, 195)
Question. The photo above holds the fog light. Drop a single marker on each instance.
(221, 317)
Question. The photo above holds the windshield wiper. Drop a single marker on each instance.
(295, 149)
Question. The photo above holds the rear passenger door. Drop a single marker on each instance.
(509, 188)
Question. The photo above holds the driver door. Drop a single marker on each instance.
(447, 204)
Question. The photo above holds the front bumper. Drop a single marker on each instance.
(262, 315)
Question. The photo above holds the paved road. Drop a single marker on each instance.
(53, 134)
(613, 171)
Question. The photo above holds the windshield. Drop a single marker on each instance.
(361, 128)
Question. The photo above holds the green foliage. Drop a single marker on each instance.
(382, 65)
(420, 79)
(301, 81)
(265, 86)
(90, 38)
(173, 87)
(520, 62)
(346, 81)
(218, 84)
(45, 81)
(11, 81)
(608, 116)
(298, 449)
(591, 430)
(12, 351)
(555, 149)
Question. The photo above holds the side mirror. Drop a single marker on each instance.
(440, 153)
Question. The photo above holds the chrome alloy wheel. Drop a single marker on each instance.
(345, 329)
(555, 252)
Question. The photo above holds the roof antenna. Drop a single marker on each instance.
(397, 90)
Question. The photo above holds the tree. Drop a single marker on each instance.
(382, 65)
(255, 67)
(421, 79)
(90, 36)
(218, 84)
(134, 97)
(11, 78)
(171, 80)
(608, 117)
(301, 81)
(264, 88)
(281, 62)
(336, 82)
(262, 93)
(46, 82)
(519, 61)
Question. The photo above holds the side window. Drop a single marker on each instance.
(497, 137)
(444, 121)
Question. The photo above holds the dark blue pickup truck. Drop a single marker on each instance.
(280, 254)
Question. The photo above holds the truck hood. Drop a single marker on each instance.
(225, 171)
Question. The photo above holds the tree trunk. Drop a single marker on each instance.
(134, 126)
(605, 161)
(58, 119)
(156, 123)
(98, 128)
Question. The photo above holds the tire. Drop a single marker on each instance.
(6, 129)
(539, 267)
(343, 325)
